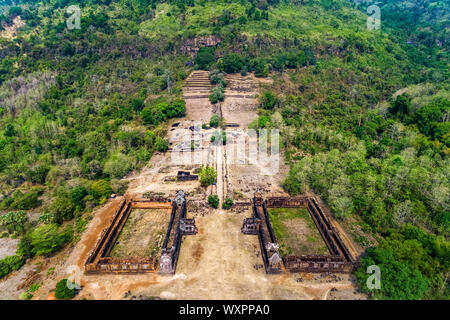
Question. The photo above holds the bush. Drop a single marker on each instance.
(268, 100)
(14, 262)
(27, 201)
(232, 63)
(216, 77)
(401, 106)
(213, 200)
(25, 296)
(77, 194)
(153, 115)
(23, 201)
(177, 109)
(264, 121)
(14, 221)
(47, 218)
(217, 94)
(62, 208)
(137, 104)
(10, 263)
(37, 174)
(260, 67)
(207, 176)
(161, 144)
(62, 291)
(24, 248)
(119, 165)
(101, 189)
(46, 239)
(227, 203)
(214, 122)
(119, 187)
(204, 57)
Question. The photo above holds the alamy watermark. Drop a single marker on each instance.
(206, 147)
(374, 280)
(374, 18)
(74, 278)
(74, 20)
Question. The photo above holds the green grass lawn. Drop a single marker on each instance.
(296, 232)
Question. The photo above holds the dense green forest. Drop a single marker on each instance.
(364, 114)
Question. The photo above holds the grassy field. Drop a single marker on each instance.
(296, 232)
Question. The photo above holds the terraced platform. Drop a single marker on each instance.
(197, 85)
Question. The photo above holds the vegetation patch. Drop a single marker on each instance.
(296, 232)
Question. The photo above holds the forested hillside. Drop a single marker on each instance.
(364, 114)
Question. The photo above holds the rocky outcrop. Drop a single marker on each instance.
(191, 46)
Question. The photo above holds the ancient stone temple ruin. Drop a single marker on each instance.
(100, 260)
(339, 258)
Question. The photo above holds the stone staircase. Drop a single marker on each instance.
(240, 87)
(197, 85)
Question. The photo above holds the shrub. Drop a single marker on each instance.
(207, 175)
(216, 77)
(213, 200)
(34, 287)
(137, 104)
(177, 109)
(101, 189)
(264, 121)
(14, 221)
(232, 63)
(119, 165)
(401, 106)
(10, 263)
(25, 296)
(204, 57)
(227, 203)
(14, 262)
(46, 239)
(153, 115)
(214, 121)
(24, 248)
(268, 100)
(95, 169)
(37, 174)
(77, 194)
(62, 290)
(81, 223)
(62, 208)
(217, 94)
(260, 67)
(47, 217)
(119, 187)
(23, 201)
(28, 200)
(161, 144)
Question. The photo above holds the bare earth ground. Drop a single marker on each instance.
(142, 234)
(10, 32)
(8, 247)
(222, 263)
(219, 262)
